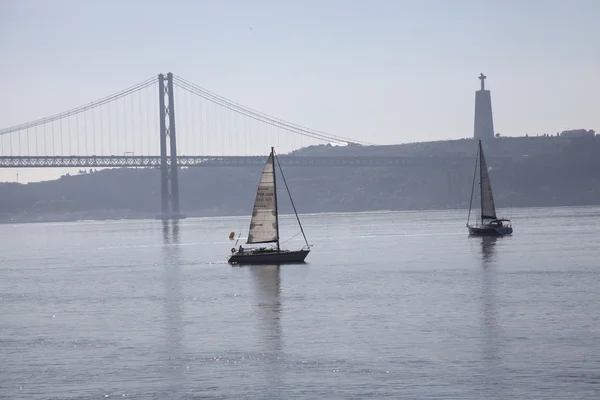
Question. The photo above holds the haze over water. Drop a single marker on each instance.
(398, 305)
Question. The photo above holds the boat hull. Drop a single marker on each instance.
(269, 257)
(490, 230)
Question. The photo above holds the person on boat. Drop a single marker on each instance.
(241, 249)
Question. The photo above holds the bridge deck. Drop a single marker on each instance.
(226, 161)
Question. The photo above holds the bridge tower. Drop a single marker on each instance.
(169, 182)
(484, 122)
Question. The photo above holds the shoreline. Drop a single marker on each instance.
(122, 216)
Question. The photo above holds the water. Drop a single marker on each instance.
(397, 305)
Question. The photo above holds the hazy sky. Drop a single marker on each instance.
(382, 71)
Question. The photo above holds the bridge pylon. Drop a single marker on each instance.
(169, 182)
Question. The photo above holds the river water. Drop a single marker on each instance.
(396, 305)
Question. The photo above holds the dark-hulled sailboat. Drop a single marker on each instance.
(264, 224)
(489, 224)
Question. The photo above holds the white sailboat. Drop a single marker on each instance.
(489, 224)
(264, 224)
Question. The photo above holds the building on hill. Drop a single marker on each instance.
(484, 121)
(578, 133)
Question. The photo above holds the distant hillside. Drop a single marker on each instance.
(513, 147)
(548, 171)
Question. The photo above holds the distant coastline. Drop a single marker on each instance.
(97, 217)
(544, 171)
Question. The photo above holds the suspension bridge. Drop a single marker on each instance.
(121, 130)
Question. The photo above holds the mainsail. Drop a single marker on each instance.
(488, 210)
(263, 225)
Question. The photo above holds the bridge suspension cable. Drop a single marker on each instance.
(259, 116)
(77, 110)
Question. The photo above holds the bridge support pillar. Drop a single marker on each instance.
(169, 182)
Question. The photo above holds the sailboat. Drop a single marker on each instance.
(489, 224)
(264, 224)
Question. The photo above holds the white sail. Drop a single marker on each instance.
(263, 225)
(488, 209)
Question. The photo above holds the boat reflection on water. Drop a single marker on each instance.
(492, 376)
(267, 293)
(488, 249)
(267, 288)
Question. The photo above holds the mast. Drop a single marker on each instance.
(275, 195)
(292, 201)
(480, 176)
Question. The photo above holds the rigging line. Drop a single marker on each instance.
(264, 120)
(288, 239)
(201, 89)
(80, 109)
(261, 116)
(291, 200)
